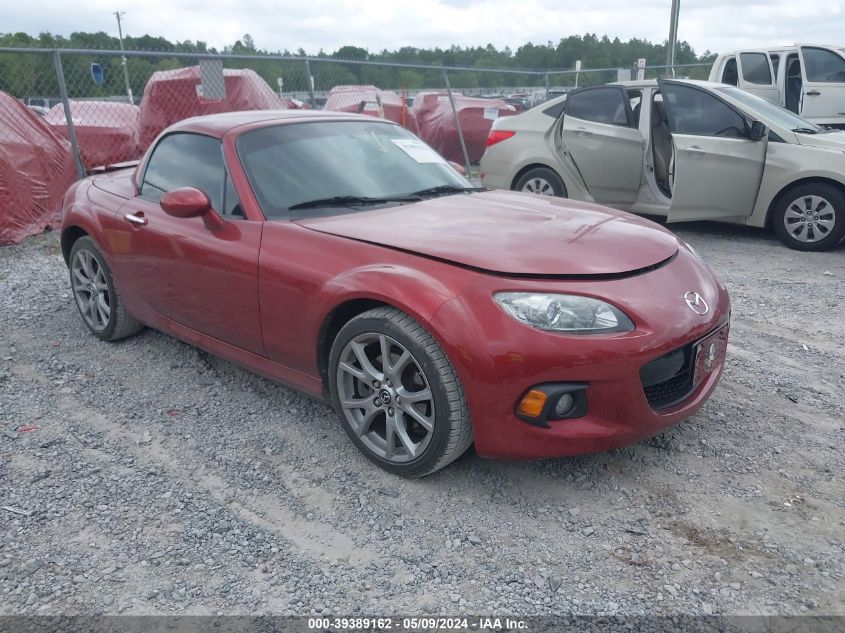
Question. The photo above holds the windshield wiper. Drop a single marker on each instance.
(342, 201)
(442, 190)
(805, 130)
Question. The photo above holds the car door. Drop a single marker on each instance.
(202, 278)
(757, 76)
(600, 136)
(717, 168)
(823, 90)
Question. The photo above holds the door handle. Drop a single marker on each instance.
(695, 151)
(813, 93)
(137, 219)
(583, 132)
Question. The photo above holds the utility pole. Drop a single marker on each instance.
(673, 38)
(118, 15)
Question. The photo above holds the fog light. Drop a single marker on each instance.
(564, 404)
(553, 401)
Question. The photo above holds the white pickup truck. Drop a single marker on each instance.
(807, 79)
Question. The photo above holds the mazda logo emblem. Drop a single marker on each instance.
(696, 303)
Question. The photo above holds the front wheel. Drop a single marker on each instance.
(398, 396)
(811, 217)
(541, 181)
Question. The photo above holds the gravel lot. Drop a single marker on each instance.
(157, 479)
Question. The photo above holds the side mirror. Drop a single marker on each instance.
(758, 131)
(185, 202)
(458, 168)
(188, 202)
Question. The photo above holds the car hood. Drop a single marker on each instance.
(827, 140)
(511, 233)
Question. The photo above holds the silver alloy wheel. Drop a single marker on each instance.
(90, 289)
(540, 186)
(809, 218)
(385, 397)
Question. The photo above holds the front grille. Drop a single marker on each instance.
(668, 380)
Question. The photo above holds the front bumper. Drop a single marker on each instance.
(499, 359)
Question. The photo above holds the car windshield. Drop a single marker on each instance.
(331, 167)
(770, 111)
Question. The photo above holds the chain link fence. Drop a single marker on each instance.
(64, 113)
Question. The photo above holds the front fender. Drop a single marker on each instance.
(788, 164)
(408, 289)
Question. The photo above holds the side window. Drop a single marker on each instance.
(729, 73)
(231, 201)
(636, 99)
(697, 112)
(755, 68)
(185, 160)
(821, 64)
(600, 105)
(775, 57)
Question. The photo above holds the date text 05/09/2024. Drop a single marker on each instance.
(426, 623)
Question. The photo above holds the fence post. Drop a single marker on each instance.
(310, 79)
(457, 122)
(71, 132)
(547, 85)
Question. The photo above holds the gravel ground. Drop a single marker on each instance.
(157, 479)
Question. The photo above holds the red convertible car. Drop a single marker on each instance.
(340, 255)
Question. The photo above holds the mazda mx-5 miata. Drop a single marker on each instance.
(340, 255)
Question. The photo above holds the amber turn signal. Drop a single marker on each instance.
(532, 403)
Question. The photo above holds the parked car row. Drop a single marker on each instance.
(681, 149)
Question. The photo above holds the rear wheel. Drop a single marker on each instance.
(398, 396)
(97, 299)
(541, 181)
(811, 217)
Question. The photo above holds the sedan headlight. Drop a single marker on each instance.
(564, 313)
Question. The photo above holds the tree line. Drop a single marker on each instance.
(26, 75)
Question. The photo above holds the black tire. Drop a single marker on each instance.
(541, 175)
(452, 429)
(120, 323)
(801, 199)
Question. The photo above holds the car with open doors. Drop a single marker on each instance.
(340, 255)
(682, 149)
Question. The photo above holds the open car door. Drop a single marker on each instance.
(717, 166)
(823, 90)
(757, 76)
(603, 142)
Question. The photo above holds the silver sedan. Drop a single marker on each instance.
(682, 149)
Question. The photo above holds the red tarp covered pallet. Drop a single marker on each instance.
(436, 122)
(171, 95)
(364, 99)
(36, 168)
(105, 130)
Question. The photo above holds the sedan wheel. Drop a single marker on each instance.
(541, 181)
(811, 217)
(97, 298)
(398, 395)
(540, 186)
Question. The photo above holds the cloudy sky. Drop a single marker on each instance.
(378, 24)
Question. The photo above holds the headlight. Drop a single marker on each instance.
(563, 313)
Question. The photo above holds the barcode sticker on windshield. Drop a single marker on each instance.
(418, 150)
(491, 114)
